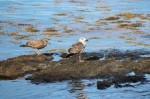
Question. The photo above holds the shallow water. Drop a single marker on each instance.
(79, 89)
(81, 17)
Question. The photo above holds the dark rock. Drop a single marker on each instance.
(119, 55)
(119, 80)
(120, 86)
(103, 84)
(93, 58)
(111, 18)
(3, 77)
(19, 66)
(128, 79)
(90, 84)
(63, 55)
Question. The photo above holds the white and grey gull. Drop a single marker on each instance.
(78, 47)
(36, 44)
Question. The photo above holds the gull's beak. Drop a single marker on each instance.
(87, 40)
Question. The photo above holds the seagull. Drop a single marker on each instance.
(36, 44)
(78, 47)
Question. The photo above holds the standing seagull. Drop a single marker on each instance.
(36, 44)
(78, 47)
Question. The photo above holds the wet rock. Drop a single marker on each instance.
(103, 84)
(120, 80)
(44, 70)
(64, 55)
(125, 85)
(73, 69)
(93, 58)
(112, 18)
(16, 67)
(119, 55)
(4, 77)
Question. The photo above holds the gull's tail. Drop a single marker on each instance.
(69, 55)
(23, 45)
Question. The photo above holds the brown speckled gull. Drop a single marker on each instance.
(36, 44)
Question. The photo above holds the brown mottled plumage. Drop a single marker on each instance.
(76, 48)
(37, 44)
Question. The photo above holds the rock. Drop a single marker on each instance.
(43, 69)
(16, 67)
(103, 84)
(119, 80)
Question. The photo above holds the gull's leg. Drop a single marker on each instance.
(80, 58)
(37, 51)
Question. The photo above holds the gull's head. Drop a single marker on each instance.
(82, 39)
(45, 40)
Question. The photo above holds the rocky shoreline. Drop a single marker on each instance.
(44, 69)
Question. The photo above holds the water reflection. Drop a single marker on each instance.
(77, 87)
(57, 2)
(56, 57)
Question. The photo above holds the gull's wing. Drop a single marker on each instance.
(76, 48)
(35, 44)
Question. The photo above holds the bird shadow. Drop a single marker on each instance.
(85, 56)
(92, 58)
(48, 54)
